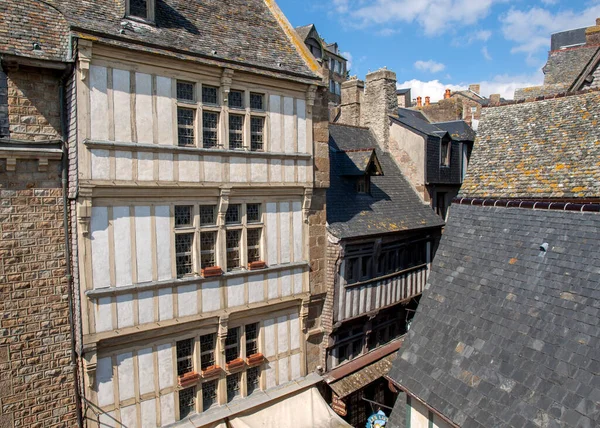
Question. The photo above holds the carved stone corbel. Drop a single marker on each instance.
(85, 57)
(308, 194)
(222, 331)
(304, 309)
(11, 164)
(226, 79)
(42, 164)
(223, 205)
(84, 210)
(90, 364)
(311, 94)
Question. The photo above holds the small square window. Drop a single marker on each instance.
(138, 8)
(253, 245)
(185, 352)
(210, 122)
(253, 379)
(236, 99)
(232, 216)
(232, 344)
(186, 91)
(253, 213)
(208, 244)
(209, 394)
(183, 253)
(209, 95)
(183, 216)
(207, 215)
(185, 126)
(257, 101)
(257, 127)
(236, 131)
(187, 402)
(207, 350)
(233, 249)
(233, 386)
(251, 339)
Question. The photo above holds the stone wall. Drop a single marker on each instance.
(379, 102)
(36, 377)
(3, 103)
(352, 97)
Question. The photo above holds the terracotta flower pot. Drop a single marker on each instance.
(211, 271)
(188, 379)
(235, 364)
(255, 359)
(211, 371)
(257, 265)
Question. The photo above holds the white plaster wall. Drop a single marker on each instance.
(143, 108)
(295, 366)
(237, 170)
(258, 170)
(275, 121)
(213, 169)
(122, 105)
(189, 168)
(271, 375)
(107, 419)
(165, 365)
(298, 231)
(98, 103)
(286, 285)
(100, 164)
(284, 232)
(302, 171)
(123, 165)
(145, 171)
(99, 238)
(408, 149)
(125, 310)
(301, 113)
(282, 334)
(294, 332)
(255, 289)
(298, 281)
(187, 300)
(146, 370)
(290, 172)
(163, 241)
(211, 296)
(235, 292)
(165, 167)
(125, 375)
(164, 110)
(167, 409)
(165, 304)
(276, 171)
(289, 128)
(122, 232)
(143, 244)
(272, 234)
(148, 410)
(269, 330)
(103, 314)
(129, 416)
(284, 375)
(419, 415)
(273, 285)
(104, 380)
(146, 307)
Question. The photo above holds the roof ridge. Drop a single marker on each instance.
(593, 45)
(531, 204)
(350, 126)
(543, 98)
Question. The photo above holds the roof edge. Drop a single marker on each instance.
(582, 206)
(542, 98)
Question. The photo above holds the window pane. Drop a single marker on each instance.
(253, 213)
(207, 215)
(253, 379)
(257, 125)
(208, 242)
(183, 253)
(232, 216)
(184, 356)
(138, 8)
(209, 95)
(253, 245)
(183, 216)
(207, 350)
(251, 339)
(257, 101)
(365, 269)
(236, 131)
(185, 126)
(210, 123)
(233, 249)
(236, 99)
(232, 345)
(185, 91)
(187, 402)
(209, 394)
(233, 386)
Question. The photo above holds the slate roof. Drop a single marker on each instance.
(416, 120)
(565, 65)
(539, 149)
(358, 162)
(392, 206)
(304, 31)
(239, 31)
(26, 22)
(507, 335)
(459, 130)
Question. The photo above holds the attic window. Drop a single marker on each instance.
(445, 153)
(142, 9)
(363, 185)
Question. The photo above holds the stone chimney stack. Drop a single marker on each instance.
(475, 88)
(419, 102)
(592, 34)
(380, 102)
(427, 101)
(352, 98)
(448, 94)
(494, 99)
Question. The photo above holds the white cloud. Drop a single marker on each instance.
(469, 39)
(348, 57)
(485, 53)
(435, 16)
(429, 66)
(505, 85)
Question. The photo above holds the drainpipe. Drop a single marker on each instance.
(70, 291)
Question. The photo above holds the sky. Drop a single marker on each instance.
(437, 44)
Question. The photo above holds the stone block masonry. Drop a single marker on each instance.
(36, 379)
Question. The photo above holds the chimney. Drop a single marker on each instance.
(592, 34)
(352, 96)
(427, 101)
(380, 102)
(475, 88)
(419, 102)
(494, 99)
(448, 94)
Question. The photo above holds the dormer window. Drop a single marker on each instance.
(363, 185)
(141, 9)
(445, 153)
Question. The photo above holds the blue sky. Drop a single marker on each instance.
(438, 44)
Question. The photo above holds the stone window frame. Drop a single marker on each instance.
(243, 226)
(150, 12)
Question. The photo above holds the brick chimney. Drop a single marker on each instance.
(380, 102)
(448, 94)
(419, 102)
(592, 34)
(352, 98)
(494, 99)
(427, 101)
(475, 88)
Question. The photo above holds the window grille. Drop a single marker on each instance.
(253, 245)
(207, 350)
(232, 216)
(233, 249)
(251, 339)
(236, 131)
(253, 213)
(209, 394)
(257, 101)
(236, 99)
(252, 379)
(185, 126)
(232, 344)
(210, 121)
(209, 95)
(185, 350)
(186, 91)
(257, 126)
(233, 386)
(207, 215)
(183, 216)
(187, 402)
(208, 244)
(183, 253)
(138, 8)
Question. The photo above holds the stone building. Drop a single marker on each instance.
(333, 64)
(507, 332)
(196, 199)
(37, 375)
(573, 64)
